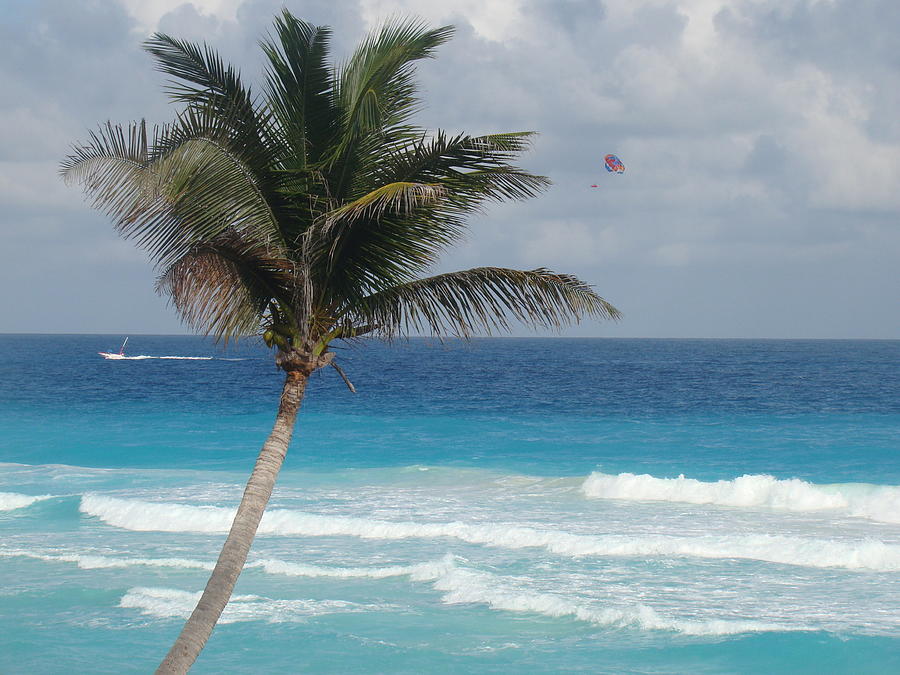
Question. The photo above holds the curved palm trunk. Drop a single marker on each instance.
(231, 561)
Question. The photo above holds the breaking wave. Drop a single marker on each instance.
(10, 501)
(879, 503)
(821, 553)
(458, 586)
(470, 586)
(419, 572)
(465, 586)
(174, 603)
(96, 562)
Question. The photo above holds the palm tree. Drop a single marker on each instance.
(309, 214)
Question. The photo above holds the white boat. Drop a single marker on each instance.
(114, 355)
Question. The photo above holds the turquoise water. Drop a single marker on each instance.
(510, 505)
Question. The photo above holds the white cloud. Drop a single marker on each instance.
(147, 13)
(496, 20)
(757, 133)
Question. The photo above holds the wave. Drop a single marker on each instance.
(86, 561)
(879, 503)
(458, 585)
(821, 553)
(96, 562)
(10, 501)
(470, 586)
(174, 603)
(465, 586)
(418, 572)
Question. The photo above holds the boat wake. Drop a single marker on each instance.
(120, 356)
(144, 357)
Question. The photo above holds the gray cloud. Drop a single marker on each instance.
(763, 153)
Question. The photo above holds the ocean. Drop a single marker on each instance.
(505, 505)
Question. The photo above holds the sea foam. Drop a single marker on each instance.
(88, 561)
(880, 503)
(10, 501)
(174, 603)
(419, 572)
(471, 586)
(821, 553)
(458, 586)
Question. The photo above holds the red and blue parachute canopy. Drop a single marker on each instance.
(614, 164)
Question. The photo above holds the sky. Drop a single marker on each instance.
(761, 139)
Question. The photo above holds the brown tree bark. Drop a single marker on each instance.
(259, 488)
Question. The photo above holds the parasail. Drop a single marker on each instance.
(614, 164)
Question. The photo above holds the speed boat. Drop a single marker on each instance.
(115, 355)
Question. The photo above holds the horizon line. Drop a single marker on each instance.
(476, 337)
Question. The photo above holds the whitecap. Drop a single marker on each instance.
(458, 585)
(789, 550)
(470, 586)
(880, 503)
(10, 501)
(87, 561)
(174, 603)
(419, 572)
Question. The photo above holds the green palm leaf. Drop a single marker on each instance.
(375, 94)
(112, 170)
(202, 78)
(299, 86)
(483, 299)
(169, 202)
(390, 245)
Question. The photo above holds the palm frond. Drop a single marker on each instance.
(375, 92)
(208, 190)
(224, 287)
(168, 203)
(373, 254)
(112, 141)
(111, 168)
(383, 249)
(203, 80)
(375, 214)
(202, 73)
(473, 168)
(480, 300)
(298, 85)
(375, 88)
(400, 198)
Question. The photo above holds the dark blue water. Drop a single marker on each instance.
(795, 408)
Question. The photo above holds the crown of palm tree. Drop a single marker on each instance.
(311, 211)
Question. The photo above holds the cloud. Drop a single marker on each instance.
(761, 140)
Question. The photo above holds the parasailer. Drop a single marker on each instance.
(614, 164)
